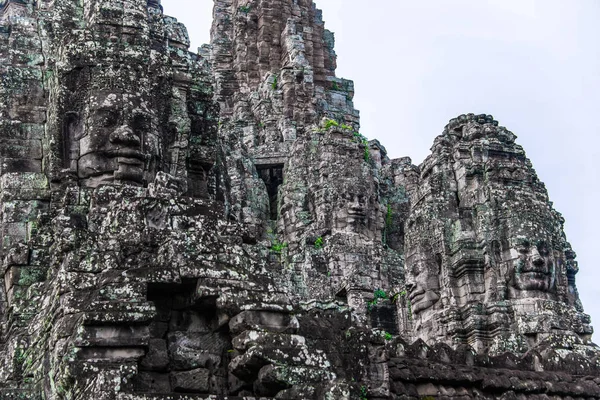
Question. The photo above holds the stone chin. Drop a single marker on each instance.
(533, 281)
(422, 301)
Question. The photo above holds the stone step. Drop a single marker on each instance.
(110, 355)
(247, 365)
(19, 394)
(76, 302)
(115, 336)
(183, 396)
(283, 376)
(250, 338)
(118, 312)
(280, 322)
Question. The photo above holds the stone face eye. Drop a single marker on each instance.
(543, 248)
(523, 245)
(108, 118)
(140, 123)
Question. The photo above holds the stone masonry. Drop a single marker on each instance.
(213, 225)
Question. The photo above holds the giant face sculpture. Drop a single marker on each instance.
(422, 281)
(354, 200)
(352, 213)
(120, 142)
(533, 265)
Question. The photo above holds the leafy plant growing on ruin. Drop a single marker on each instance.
(364, 391)
(244, 9)
(274, 84)
(404, 295)
(388, 223)
(319, 243)
(380, 294)
(388, 336)
(278, 247)
(331, 123)
(388, 216)
(377, 295)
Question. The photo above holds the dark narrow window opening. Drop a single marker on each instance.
(272, 175)
(70, 133)
(199, 182)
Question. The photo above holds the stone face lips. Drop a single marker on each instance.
(177, 225)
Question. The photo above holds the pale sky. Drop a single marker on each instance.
(533, 64)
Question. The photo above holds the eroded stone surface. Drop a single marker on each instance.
(213, 225)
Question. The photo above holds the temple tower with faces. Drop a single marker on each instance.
(487, 261)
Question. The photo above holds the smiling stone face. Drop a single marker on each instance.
(353, 213)
(422, 282)
(120, 143)
(533, 265)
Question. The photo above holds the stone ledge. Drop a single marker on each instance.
(157, 396)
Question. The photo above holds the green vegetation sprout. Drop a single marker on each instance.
(319, 243)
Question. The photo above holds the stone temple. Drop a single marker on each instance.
(212, 225)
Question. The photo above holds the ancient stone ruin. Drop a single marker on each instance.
(212, 225)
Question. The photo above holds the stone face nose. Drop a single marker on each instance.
(536, 258)
(124, 135)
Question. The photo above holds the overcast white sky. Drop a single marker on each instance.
(533, 64)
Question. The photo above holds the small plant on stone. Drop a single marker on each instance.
(359, 138)
(278, 247)
(335, 86)
(388, 216)
(388, 223)
(274, 84)
(330, 123)
(388, 336)
(364, 391)
(378, 294)
(244, 9)
(319, 243)
(397, 295)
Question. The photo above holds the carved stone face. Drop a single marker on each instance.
(355, 211)
(472, 131)
(533, 265)
(120, 144)
(422, 282)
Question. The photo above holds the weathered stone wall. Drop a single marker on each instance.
(213, 225)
